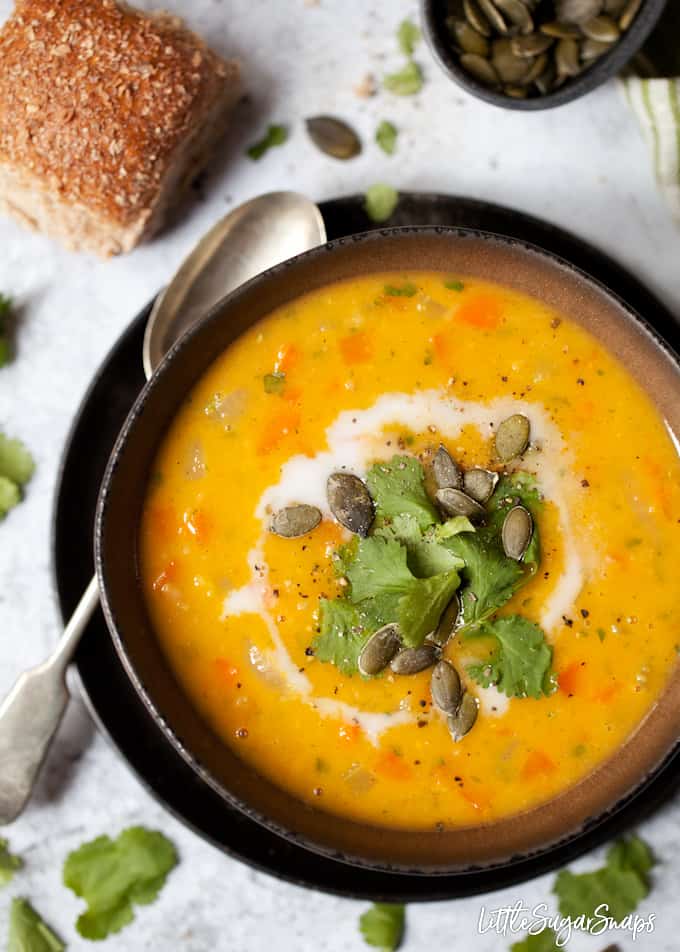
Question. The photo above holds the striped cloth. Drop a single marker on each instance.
(652, 88)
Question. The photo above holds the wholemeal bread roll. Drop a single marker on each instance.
(105, 114)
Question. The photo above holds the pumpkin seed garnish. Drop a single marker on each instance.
(414, 660)
(601, 28)
(593, 49)
(516, 533)
(479, 68)
(518, 13)
(476, 18)
(379, 650)
(480, 484)
(577, 11)
(629, 14)
(333, 137)
(531, 45)
(350, 502)
(455, 502)
(512, 437)
(510, 68)
(446, 687)
(567, 58)
(447, 473)
(467, 38)
(447, 624)
(294, 521)
(494, 16)
(537, 68)
(462, 722)
(560, 31)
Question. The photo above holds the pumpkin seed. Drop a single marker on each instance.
(567, 58)
(518, 14)
(468, 39)
(447, 624)
(493, 15)
(333, 137)
(601, 28)
(536, 69)
(379, 650)
(629, 13)
(511, 69)
(350, 502)
(518, 527)
(447, 473)
(446, 687)
(614, 7)
(577, 11)
(476, 18)
(545, 82)
(455, 502)
(462, 722)
(512, 437)
(413, 660)
(480, 483)
(516, 92)
(295, 521)
(560, 31)
(480, 68)
(593, 49)
(531, 45)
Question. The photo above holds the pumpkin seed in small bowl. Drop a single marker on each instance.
(525, 54)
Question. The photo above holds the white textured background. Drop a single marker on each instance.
(583, 166)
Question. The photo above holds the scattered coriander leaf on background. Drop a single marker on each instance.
(397, 488)
(386, 137)
(9, 864)
(382, 926)
(408, 36)
(543, 941)
(16, 463)
(380, 202)
(274, 383)
(10, 496)
(620, 884)
(520, 665)
(275, 135)
(112, 875)
(341, 636)
(405, 82)
(28, 932)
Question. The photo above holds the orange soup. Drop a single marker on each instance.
(410, 548)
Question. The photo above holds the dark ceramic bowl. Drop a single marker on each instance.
(434, 13)
(475, 254)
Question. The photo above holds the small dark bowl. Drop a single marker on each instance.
(434, 14)
(476, 254)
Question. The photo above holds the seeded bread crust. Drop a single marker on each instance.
(105, 114)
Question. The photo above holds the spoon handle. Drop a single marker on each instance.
(31, 712)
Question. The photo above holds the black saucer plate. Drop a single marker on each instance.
(113, 701)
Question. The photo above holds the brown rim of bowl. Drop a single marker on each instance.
(607, 66)
(508, 262)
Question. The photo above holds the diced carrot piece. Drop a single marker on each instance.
(660, 487)
(569, 679)
(356, 348)
(441, 344)
(287, 358)
(537, 764)
(281, 425)
(476, 798)
(391, 766)
(164, 578)
(482, 311)
(292, 394)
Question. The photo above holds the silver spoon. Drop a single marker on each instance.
(253, 237)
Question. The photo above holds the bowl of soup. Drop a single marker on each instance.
(387, 548)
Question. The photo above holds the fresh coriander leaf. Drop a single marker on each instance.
(398, 487)
(620, 884)
(112, 875)
(454, 285)
(10, 496)
(382, 926)
(406, 82)
(408, 36)
(274, 383)
(543, 941)
(344, 555)
(491, 577)
(407, 289)
(9, 864)
(422, 606)
(386, 137)
(380, 202)
(16, 463)
(379, 567)
(425, 556)
(452, 527)
(520, 664)
(404, 528)
(341, 637)
(275, 135)
(28, 932)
